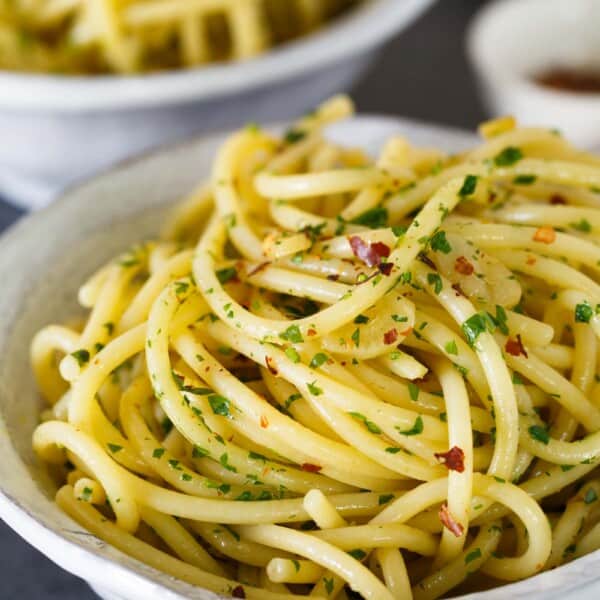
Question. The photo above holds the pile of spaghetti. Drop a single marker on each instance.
(127, 36)
(334, 376)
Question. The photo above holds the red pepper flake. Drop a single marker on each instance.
(371, 254)
(385, 268)
(448, 521)
(515, 347)
(311, 332)
(454, 459)
(426, 260)
(463, 266)
(389, 337)
(456, 287)
(238, 592)
(259, 268)
(264, 422)
(531, 260)
(546, 235)
(310, 468)
(271, 365)
(557, 199)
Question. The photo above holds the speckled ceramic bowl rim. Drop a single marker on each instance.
(365, 27)
(132, 579)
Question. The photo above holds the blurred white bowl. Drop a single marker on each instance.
(56, 130)
(511, 42)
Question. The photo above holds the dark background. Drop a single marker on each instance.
(424, 75)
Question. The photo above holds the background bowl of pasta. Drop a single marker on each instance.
(59, 127)
(121, 468)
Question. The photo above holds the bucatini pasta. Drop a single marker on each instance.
(335, 375)
(128, 36)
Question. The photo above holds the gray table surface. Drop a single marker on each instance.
(423, 75)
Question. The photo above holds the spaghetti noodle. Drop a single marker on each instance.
(333, 373)
(127, 36)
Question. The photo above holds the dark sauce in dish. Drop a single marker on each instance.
(571, 80)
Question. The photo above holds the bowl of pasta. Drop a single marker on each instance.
(87, 84)
(358, 360)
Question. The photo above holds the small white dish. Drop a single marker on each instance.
(511, 42)
(56, 130)
(45, 257)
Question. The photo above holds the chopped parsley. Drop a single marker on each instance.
(583, 313)
(313, 389)
(224, 460)
(439, 243)
(590, 496)
(507, 157)
(372, 427)
(293, 136)
(517, 379)
(435, 280)
(385, 498)
(219, 405)
(469, 185)
(82, 356)
(413, 391)
(291, 399)
(292, 354)
(225, 275)
(583, 225)
(292, 334)
(416, 429)
(199, 452)
(114, 448)
(318, 359)
(473, 555)
(524, 179)
(256, 456)
(539, 433)
(181, 287)
(158, 452)
(374, 218)
(451, 347)
(473, 327)
(500, 320)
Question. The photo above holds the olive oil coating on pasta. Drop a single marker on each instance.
(338, 374)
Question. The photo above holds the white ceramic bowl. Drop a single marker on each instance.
(512, 41)
(45, 257)
(56, 130)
